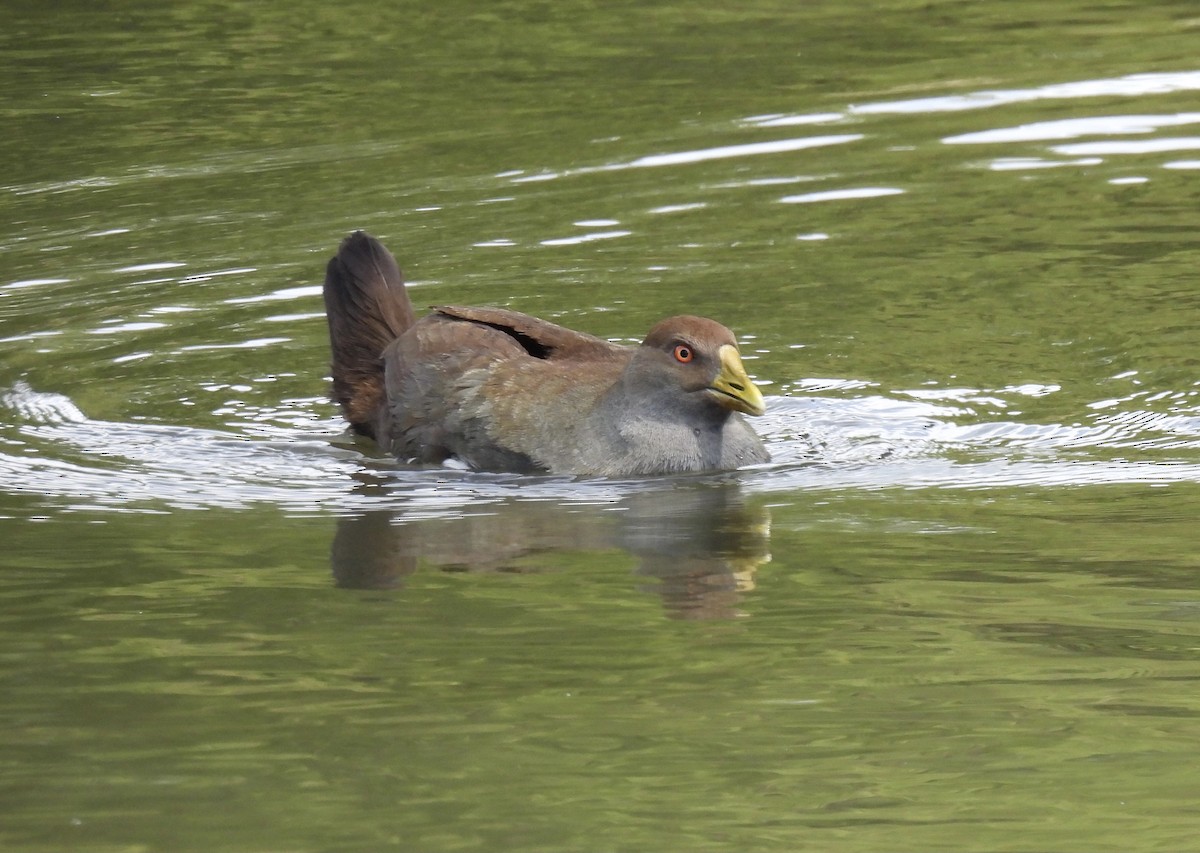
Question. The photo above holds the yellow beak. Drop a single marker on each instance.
(733, 388)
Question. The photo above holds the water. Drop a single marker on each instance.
(959, 610)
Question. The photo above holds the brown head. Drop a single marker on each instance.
(700, 357)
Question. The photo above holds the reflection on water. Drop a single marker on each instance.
(1131, 86)
(699, 542)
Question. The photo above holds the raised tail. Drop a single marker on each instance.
(367, 308)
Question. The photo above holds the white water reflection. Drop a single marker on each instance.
(1141, 146)
(749, 149)
(700, 155)
(33, 282)
(283, 295)
(1133, 85)
(1073, 128)
(678, 208)
(294, 459)
(253, 343)
(773, 182)
(152, 267)
(206, 276)
(32, 336)
(841, 195)
(590, 237)
(1077, 154)
(1018, 164)
(118, 328)
(782, 120)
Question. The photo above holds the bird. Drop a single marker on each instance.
(502, 391)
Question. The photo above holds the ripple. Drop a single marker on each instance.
(774, 181)
(1133, 85)
(1073, 128)
(1017, 164)
(284, 295)
(243, 162)
(31, 336)
(748, 149)
(590, 237)
(133, 326)
(254, 343)
(206, 276)
(1140, 146)
(700, 155)
(33, 282)
(292, 455)
(678, 208)
(40, 408)
(152, 267)
(841, 195)
(782, 120)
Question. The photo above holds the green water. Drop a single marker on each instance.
(959, 611)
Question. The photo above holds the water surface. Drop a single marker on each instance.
(959, 609)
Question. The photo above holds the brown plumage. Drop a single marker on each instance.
(504, 391)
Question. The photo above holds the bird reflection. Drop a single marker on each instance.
(698, 545)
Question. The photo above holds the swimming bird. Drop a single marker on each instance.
(499, 390)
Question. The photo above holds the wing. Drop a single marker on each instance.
(500, 390)
(433, 373)
(539, 338)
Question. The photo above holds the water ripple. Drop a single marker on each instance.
(1073, 128)
(293, 459)
(1133, 85)
(700, 155)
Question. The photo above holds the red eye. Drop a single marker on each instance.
(683, 354)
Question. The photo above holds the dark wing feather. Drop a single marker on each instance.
(539, 338)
